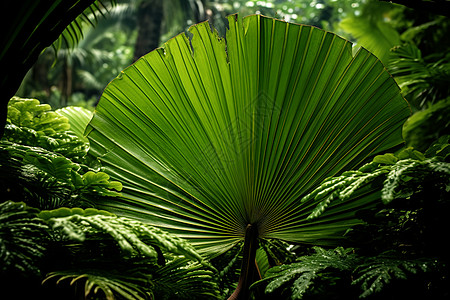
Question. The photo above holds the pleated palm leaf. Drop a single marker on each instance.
(212, 138)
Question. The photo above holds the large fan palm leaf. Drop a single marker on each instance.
(209, 136)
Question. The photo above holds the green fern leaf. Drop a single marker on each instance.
(133, 237)
(396, 176)
(129, 286)
(299, 277)
(22, 238)
(378, 272)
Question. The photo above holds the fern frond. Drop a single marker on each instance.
(344, 186)
(184, 279)
(132, 237)
(130, 285)
(179, 279)
(405, 175)
(22, 238)
(298, 277)
(395, 176)
(378, 272)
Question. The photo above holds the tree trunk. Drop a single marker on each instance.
(150, 15)
(66, 83)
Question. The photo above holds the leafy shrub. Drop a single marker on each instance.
(395, 176)
(312, 275)
(100, 253)
(132, 259)
(22, 239)
(45, 164)
(398, 242)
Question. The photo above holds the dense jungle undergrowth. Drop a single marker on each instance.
(277, 162)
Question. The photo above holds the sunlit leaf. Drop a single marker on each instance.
(208, 136)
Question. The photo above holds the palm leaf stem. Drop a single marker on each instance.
(249, 271)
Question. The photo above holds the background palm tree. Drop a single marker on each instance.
(154, 15)
(34, 26)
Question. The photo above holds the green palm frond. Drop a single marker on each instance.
(208, 137)
(78, 118)
(74, 32)
(423, 80)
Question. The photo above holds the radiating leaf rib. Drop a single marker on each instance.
(208, 136)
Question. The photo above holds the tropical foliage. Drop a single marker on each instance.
(422, 80)
(340, 269)
(148, 260)
(246, 133)
(44, 163)
(101, 253)
(411, 45)
(268, 150)
(242, 140)
(394, 243)
(21, 238)
(33, 27)
(371, 30)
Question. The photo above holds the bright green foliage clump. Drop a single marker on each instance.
(49, 180)
(30, 113)
(34, 124)
(45, 164)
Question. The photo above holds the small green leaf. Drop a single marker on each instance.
(387, 159)
(411, 153)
